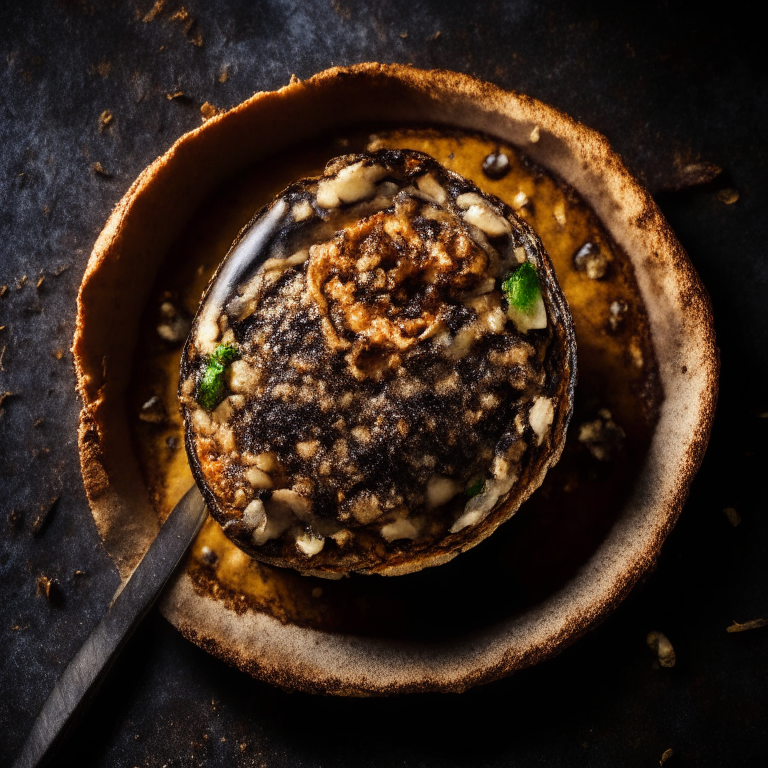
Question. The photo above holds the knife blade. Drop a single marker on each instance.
(82, 676)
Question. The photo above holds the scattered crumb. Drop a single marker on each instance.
(46, 586)
(2, 355)
(208, 111)
(590, 260)
(294, 80)
(181, 15)
(754, 624)
(3, 397)
(243, 746)
(58, 353)
(104, 68)
(3, 290)
(154, 12)
(176, 95)
(187, 22)
(105, 118)
(44, 514)
(660, 645)
(196, 38)
(98, 168)
(734, 518)
(667, 754)
(21, 282)
(403, 35)
(688, 171)
(728, 196)
(436, 36)
(46, 211)
(603, 437)
(39, 422)
(79, 573)
(224, 74)
(40, 281)
(2, 327)
(61, 270)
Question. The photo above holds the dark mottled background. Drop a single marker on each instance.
(669, 88)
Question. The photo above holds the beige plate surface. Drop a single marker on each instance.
(154, 212)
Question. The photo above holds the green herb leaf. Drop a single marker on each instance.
(211, 390)
(522, 288)
(475, 489)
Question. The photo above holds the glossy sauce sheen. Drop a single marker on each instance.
(616, 404)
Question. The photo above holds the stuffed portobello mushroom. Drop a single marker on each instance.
(380, 372)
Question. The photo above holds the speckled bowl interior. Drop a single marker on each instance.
(156, 209)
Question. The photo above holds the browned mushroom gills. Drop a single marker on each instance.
(390, 405)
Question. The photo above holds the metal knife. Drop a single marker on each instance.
(80, 680)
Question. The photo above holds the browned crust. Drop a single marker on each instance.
(679, 313)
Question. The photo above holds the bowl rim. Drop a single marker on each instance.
(682, 328)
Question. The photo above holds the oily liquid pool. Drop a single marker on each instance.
(554, 532)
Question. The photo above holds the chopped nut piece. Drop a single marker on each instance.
(660, 645)
(728, 196)
(98, 169)
(3, 397)
(618, 314)
(46, 587)
(666, 755)
(44, 515)
(589, 259)
(603, 437)
(754, 624)
(174, 325)
(153, 12)
(105, 119)
(535, 135)
(207, 111)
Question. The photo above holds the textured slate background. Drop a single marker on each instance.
(668, 88)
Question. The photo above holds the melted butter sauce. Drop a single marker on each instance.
(550, 537)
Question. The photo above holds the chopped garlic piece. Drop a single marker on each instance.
(540, 417)
(399, 529)
(485, 219)
(310, 545)
(430, 188)
(441, 490)
(350, 184)
(302, 210)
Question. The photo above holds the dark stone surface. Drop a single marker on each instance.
(668, 89)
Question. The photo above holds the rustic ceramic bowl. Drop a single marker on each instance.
(122, 270)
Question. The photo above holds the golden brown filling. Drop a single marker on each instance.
(381, 285)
